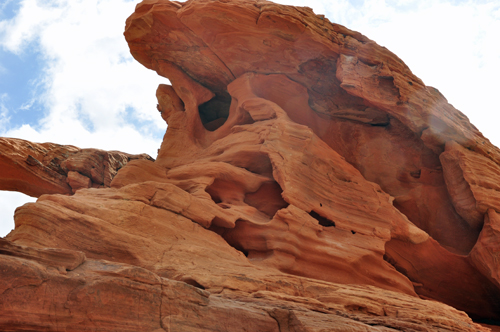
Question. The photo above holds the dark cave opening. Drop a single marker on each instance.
(322, 220)
(231, 236)
(492, 322)
(192, 282)
(214, 113)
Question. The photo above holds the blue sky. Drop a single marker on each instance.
(66, 75)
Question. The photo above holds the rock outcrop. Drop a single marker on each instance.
(307, 181)
(36, 169)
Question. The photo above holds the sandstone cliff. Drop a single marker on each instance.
(307, 181)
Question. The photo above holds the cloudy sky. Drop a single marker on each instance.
(66, 75)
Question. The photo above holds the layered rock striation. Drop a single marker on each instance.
(36, 169)
(307, 181)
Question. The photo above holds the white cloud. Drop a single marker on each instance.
(9, 201)
(30, 21)
(4, 117)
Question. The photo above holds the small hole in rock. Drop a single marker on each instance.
(322, 220)
(416, 174)
(493, 322)
(353, 232)
(192, 282)
(229, 236)
(215, 197)
(214, 113)
(382, 124)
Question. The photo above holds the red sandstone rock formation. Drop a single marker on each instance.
(308, 181)
(37, 169)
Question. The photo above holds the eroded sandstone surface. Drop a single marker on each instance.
(36, 169)
(307, 181)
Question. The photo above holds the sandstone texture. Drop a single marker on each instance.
(36, 169)
(307, 181)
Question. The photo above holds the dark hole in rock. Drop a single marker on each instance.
(228, 236)
(215, 196)
(217, 229)
(214, 113)
(322, 220)
(267, 198)
(353, 232)
(380, 124)
(493, 322)
(192, 282)
(416, 174)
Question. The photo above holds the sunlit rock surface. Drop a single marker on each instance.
(307, 181)
(36, 169)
